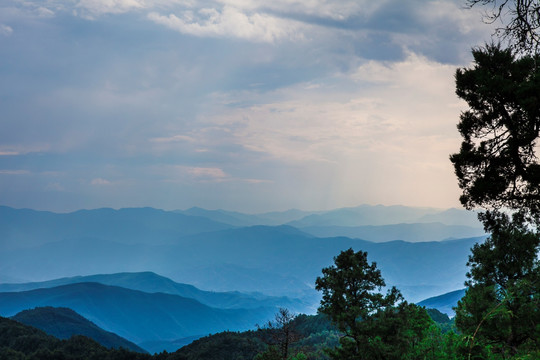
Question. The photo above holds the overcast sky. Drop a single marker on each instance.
(248, 105)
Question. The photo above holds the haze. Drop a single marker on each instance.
(244, 105)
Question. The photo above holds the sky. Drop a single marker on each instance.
(245, 105)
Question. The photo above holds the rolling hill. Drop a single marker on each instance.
(21, 342)
(63, 323)
(136, 315)
(274, 260)
(25, 228)
(152, 283)
(386, 215)
(445, 302)
(407, 232)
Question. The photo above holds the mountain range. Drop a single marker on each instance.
(220, 270)
(216, 256)
(150, 282)
(417, 232)
(444, 303)
(63, 323)
(362, 215)
(136, 315)
(156, 321)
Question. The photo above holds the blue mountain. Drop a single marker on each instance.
(445, 303)
(153, 283)
(63, 323)
(136, 315)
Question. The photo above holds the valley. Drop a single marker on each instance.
(162, 279)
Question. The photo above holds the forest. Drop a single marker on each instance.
(359, 316)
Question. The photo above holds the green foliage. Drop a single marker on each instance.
(222, 346)
(271, 353)
(63, 323)
(497, 168)
(299, 356)
(312, 324)
(21, 342)
(348, 290)
(501, 307)
(374, 326)
(438, 317)
(497, 164)
(281, 333)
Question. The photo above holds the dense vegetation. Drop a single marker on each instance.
(63, 323)
(498, 171)
(22, 342)
(311, 336)
(499, 316)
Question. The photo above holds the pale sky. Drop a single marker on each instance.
(246, 105)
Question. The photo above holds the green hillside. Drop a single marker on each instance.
(64, 323)
(135, 315)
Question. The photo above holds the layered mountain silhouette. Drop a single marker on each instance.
(445, 303)
(220, 256)
(220, 270)
(24, 227)
(63, 323)
(136, 315)
(273, 260)
(407, 232)
(153, 283)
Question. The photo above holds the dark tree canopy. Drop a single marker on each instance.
(497, 165)
(375, 326)
(280, 335)
(520, 21)
(350, 289)
(502, 305)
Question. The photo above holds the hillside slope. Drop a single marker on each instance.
(445, 302)
(135, 315)
(24, 227)
(273, 260)
(63, 323)
(153, 283)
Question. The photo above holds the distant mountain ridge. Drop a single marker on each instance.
(362, 215)
(152, 283)
(135, 315)
(387, 215)
(445, 303)
(24, 227)
(63, 323)
(242, 220)
(273, 260)
(407, 232)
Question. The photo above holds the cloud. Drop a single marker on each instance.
(230, 22)
(175, 138)
(208, 173)
(414, 72)
(388, 125)
(93, 8)
(6, 30)
(283, 103)
(100, 182)
(14, 172)
(56, 186)
(44, 12)
(337, 10)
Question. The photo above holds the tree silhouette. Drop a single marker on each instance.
(375, 326)
(520, 19)
(497, 166)
(498, 170)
